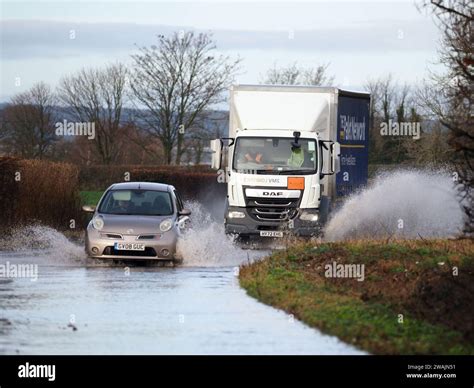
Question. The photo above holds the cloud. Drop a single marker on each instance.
(25, 39)
(33, 39)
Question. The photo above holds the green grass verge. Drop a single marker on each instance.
(90, 197)
(366, 314)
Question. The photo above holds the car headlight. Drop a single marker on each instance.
(236, 214)
(166, 225)
(307, 216)
(98, 222)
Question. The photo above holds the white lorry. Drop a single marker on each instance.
(291, 152)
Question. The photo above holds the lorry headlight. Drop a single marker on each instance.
(235, 214)
(166, 225)
(307, 216)
(98, 222)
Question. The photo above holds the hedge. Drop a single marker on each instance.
(192, 182)
(35, 191)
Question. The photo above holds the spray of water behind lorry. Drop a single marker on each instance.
(402, 204)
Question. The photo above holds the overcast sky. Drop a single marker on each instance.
(358, 39)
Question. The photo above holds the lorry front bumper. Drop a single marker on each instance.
(248, 226)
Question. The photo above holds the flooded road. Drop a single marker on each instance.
(74, 307)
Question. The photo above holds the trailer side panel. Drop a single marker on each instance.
(353, 135)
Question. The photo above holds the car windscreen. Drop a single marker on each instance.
(137, 202)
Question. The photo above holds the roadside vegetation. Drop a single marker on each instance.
(38, 192)
(417, 297)
(90, 197)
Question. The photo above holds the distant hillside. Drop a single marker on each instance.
(215, 123)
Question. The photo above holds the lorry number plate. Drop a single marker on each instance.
(270, 233)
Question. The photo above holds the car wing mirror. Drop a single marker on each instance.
(184, 212)
(88, 208)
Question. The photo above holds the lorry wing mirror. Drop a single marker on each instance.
(334, 149)
(216, 149)
(335, 157)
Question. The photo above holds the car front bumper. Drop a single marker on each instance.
(161, 247)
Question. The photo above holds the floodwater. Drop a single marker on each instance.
(78, 307)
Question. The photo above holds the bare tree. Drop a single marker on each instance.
(28, 122)
(395, 103)
(374, 88)
(386, 97)
(432, 149)
(210, 126)
(288, 75)
(149, 148)
(176, 82)
(296, 75)
(454, 90)
(97, 96)
(403, 104)
(383, 107)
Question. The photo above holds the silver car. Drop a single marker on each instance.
(136, 220)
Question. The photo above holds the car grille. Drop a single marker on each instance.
(114, 236)
(148, 252)
(148, 236)
(272, 209)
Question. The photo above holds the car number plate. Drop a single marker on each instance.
(129, 247)
(270, 233)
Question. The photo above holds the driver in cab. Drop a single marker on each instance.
(297, 155)
(122, 206)
(253, 156)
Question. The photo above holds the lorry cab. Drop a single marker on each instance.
(283, 154)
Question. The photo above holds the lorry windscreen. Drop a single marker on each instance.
(270, 155)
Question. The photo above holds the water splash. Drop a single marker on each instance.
(206, 244)
(402, 204)
(42, 242)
